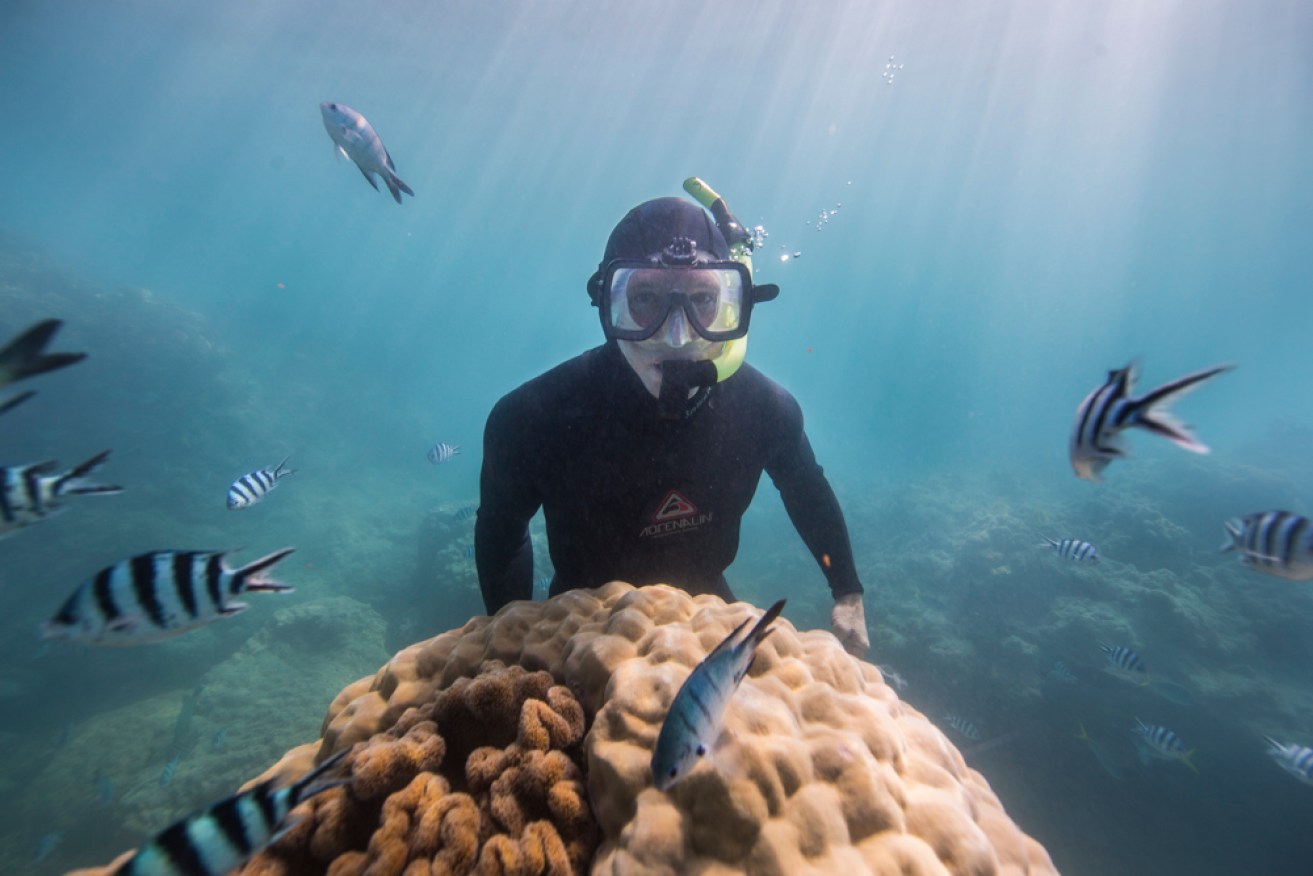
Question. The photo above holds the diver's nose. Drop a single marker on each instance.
(678, 331)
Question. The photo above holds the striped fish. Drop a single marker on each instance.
(442, 451)
(1125, 663)
(166, 777)
(697, 713)
(467, 512)
(219, 839)
(1061, 673)
(1073, 549)
(251, 488)
(1162, 743)
(31, 493)
(1294, 759)
(963, 726)
(159, 595)
(1108, 410)
(1275, 542)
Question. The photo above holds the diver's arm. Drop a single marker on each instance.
(503, 553)
(815, 512)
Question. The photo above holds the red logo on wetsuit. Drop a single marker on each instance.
(674, 514)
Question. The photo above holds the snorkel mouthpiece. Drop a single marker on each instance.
(678, 377)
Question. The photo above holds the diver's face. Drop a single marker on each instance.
(676, 339)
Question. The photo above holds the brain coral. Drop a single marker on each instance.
(823, 769)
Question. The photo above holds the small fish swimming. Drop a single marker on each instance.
(1278, 543)
(104, 789)
(217, 840)
(1162, 743)
(697, 714)
(963, 726)
(1110, 409)
(45, 847)
(158, 595)
(1101, 754)
(355, 138)
(893, 679)
(22, 357)
(442, 451)
(467, 512)
(166, 777)
(1073, 549)
(251, 488)
(1125, 663)
(1061, 673)
(1294, 759)
(31, 493)
(468, 552)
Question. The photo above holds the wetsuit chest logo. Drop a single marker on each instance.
(673, 514)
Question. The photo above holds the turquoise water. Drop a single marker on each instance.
(1044, 192)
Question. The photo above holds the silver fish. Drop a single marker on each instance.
(1294, 759)
(1125, 663)
(355, 138)
(159, 595)
(1162, 743)
(217, 840)
(697, 713)
(166, 777)
(254, 486)
(1278, 543)
(1110, 409)
(31, 493)
(442, 451)
(1073, 549)
(963, 726)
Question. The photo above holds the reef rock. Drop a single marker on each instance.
(465, 765)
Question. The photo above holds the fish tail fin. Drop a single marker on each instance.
(1235, 530)
(396, 186)
(17, 400)
(763, 626)
(309, 785)
(1047, 542)
(248, 576)
(1082, 735)
(1148, 680)
(1151, 414)
(1276, 746)
(281, 471)
(73, 483)
(22, 357)
(1185, 759)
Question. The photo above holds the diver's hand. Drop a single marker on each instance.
(848, 622)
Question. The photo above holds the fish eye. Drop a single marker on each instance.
(674, 771)
(702, 750)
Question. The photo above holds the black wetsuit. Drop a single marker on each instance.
(630, 496)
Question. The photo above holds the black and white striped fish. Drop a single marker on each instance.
(31, 493)
(1105, 412)
(1294, 759)
(442, 451)
(1124, 662)
(467, 512)
(251, 488)
(1276, 542)
(963, 726)
(219, 839)
(159, 595)
(1163, 743)
(1072, 549)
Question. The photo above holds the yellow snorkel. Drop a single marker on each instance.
(740, 249)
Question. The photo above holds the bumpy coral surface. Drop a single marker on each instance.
(821, 769)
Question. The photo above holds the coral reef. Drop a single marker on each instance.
(822, 767)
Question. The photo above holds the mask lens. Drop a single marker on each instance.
(642, 298)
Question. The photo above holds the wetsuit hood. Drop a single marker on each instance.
(651, 226)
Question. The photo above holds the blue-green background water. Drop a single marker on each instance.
(1045, 191)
